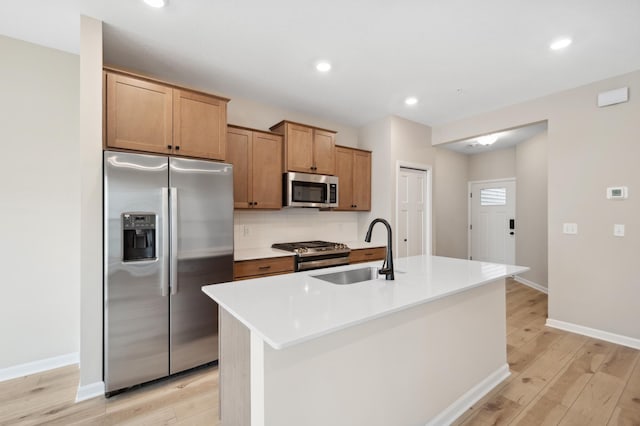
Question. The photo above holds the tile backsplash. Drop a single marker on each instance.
(258, 229)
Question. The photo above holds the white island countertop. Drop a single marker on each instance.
(285, 310)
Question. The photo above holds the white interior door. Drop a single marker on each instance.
(492, 230)
(411, 211)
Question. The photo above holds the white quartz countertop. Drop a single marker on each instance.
(259, 253)
(285, 310)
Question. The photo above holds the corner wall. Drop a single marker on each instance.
(91, 301)
(40, 203)
(593, 280)
(531, 209)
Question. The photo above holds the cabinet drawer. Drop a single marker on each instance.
(367, 255)
(262, 267)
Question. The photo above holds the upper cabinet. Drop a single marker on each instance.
(145, 115)
(257, 168)
(353, 168)
(307, 149)
(199, 125)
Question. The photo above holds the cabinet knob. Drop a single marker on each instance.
(177, 147)
(255, 203)
(169, 147)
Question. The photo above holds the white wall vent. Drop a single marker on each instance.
(613, 97)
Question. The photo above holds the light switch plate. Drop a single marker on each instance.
(570, 228)
(618, 230)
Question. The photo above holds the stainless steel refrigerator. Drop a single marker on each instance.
(168, 230)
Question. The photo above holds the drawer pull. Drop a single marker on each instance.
(264, 268)
(368, 254)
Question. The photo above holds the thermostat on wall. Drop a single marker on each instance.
(617, 193)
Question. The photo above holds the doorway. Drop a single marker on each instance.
(413, 210)
(492, 221)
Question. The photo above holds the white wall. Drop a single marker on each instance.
(258, 229)
(40, 203)
(450, 203)
(489, 165)
(376, 137)
(593, 278)
(531, 208)
(91, 302)
(244, 112)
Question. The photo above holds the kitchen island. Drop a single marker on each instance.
(297, 350)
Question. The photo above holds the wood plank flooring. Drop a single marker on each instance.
(558, 378)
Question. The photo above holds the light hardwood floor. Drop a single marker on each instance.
(557, 378)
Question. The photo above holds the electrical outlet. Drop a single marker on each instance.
(618, 230)
(245, 231)
(570, 228)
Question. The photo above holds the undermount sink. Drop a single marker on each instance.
(349, 277)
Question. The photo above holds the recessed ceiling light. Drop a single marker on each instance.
(411, 100)
(323, 66)
(156, 3)
(487, 139)
(560, 44)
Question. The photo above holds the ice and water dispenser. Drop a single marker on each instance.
(139, 236)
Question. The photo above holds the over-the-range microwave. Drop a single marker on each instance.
(307, 190)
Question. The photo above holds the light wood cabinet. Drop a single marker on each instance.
(367, 255)
(307, 149)
(254, 268)
(199, 125)
(142, 114)
(257, 168)
(353, 168)
(138, 114)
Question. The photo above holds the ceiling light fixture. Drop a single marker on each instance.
(411, 100)
(487, 139)
(323, 66)
(156, 3)
(560, 44)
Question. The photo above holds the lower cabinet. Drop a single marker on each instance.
(255, 268)
(367, 255)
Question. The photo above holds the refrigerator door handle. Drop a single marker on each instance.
(173, 269)
(164, 276)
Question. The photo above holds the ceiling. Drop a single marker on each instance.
(506, 139)
(459, 57)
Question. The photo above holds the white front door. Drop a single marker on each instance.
(411, 211)
(492, 230)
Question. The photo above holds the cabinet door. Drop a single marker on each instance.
(199, 125)
(299, 148)
(324, 152)
(344, 171)
(362, 180)
(267, 171)
(138, 114)
(238, 154)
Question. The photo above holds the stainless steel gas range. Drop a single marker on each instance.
(316, 254)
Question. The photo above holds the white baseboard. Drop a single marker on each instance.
(90, 391)
(595, 333)
(29, 368)
(531, 284)
(473, 395)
